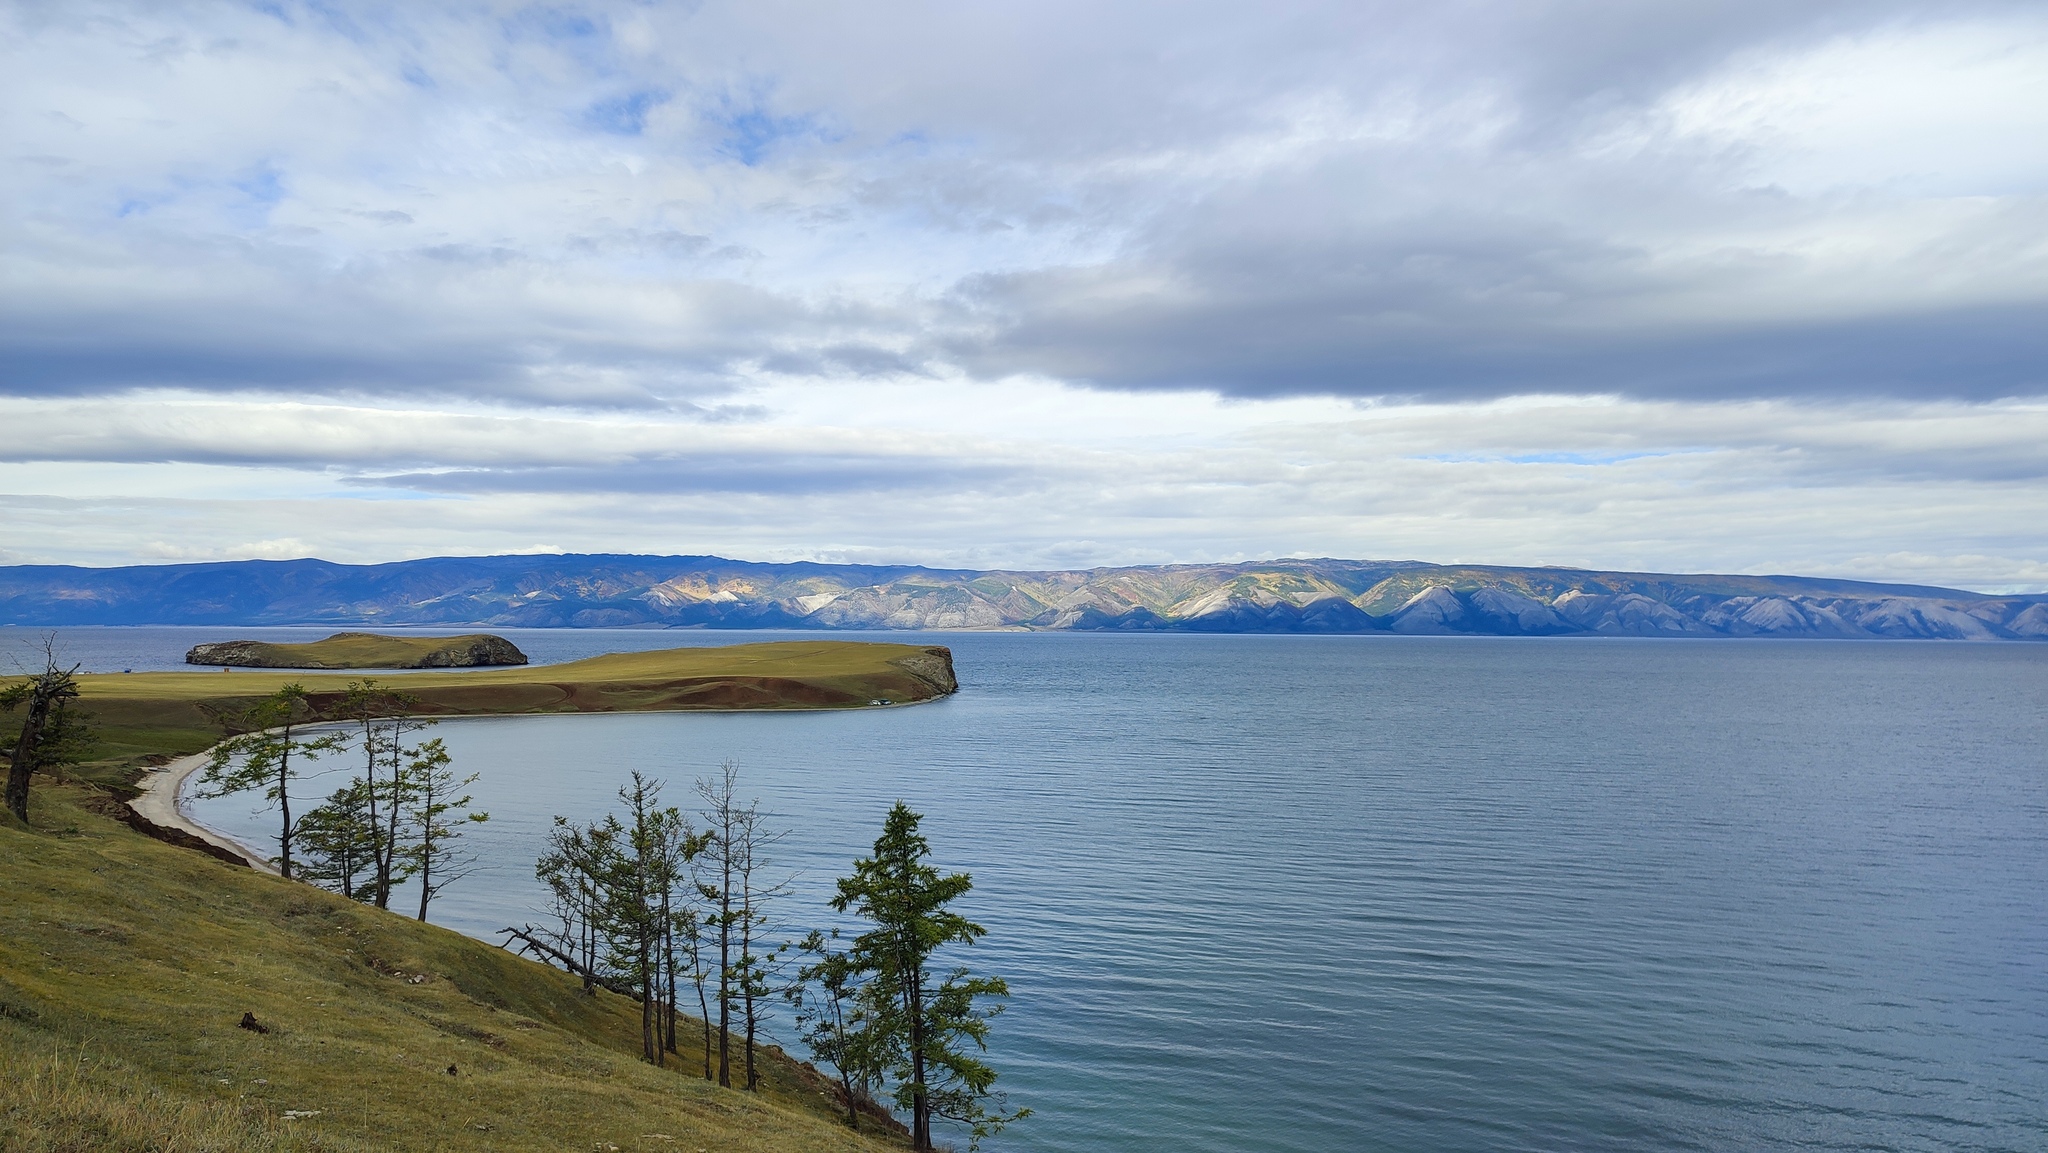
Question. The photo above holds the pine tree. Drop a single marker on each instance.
(922, 1023)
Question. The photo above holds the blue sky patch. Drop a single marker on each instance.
(625, 115)
(262, 187)
(748, 135)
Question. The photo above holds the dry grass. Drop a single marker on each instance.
(68, 1100)
(126, 965)
(824, 663)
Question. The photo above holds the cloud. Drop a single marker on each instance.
(1010, 283)
(1657, 485)
(775, 474)
(1471, 200)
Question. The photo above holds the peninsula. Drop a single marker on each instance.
(363, 651)
(178, 713)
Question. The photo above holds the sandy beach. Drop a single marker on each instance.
(158, 804)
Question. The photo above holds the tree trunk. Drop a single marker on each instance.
(376, 861)
(704, 1007)
(284, 802)
(426, 844)
(387, 861)
(920, 1104)
(427, 873)
(753, 1079)
(586, 934)
(668, 965)
(748, 990)
(25, 746)
(913, 994)
(725, 974)
(648, 1048)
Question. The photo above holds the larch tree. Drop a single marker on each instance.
(385, 717)
(437, 820)
(36, 745)
(924, 1023)
(268, 754)
(760, 962)
(831, 1021)
(651, 851)
(69, 738)
(569, 868)
(715, 878)
(691, 947)
(338, 842)
(679, 846)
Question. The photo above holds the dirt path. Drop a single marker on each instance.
(158, 804)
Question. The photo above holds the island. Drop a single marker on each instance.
(363, 651)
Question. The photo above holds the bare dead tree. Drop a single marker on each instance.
(43, 693)
(760, 962)
(715, 884)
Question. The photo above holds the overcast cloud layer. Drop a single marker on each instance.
(1742, 286)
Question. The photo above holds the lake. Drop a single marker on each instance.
(1364, 893)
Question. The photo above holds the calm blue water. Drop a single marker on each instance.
(1337, 893)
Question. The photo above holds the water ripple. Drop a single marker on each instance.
(1306, 894)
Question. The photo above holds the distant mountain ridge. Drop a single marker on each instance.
(1295, 596)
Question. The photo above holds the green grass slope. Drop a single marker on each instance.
(127, 964)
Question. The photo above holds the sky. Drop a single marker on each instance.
(1732, 287)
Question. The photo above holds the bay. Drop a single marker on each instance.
(1335, 893)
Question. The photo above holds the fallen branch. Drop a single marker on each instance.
(531, 942)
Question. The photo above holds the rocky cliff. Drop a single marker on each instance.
(1317, 596)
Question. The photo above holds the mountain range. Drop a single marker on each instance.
(1296, 596)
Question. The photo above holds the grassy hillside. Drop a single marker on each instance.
(365, 651)
(156, 714)
(126, 966)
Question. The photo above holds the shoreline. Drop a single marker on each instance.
(809, 676)
(157, 803)
(157, 798)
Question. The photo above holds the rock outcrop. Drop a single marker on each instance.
(472, 651)
(363, 651)
(933, 666)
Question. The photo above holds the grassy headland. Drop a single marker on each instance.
(157, 715)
